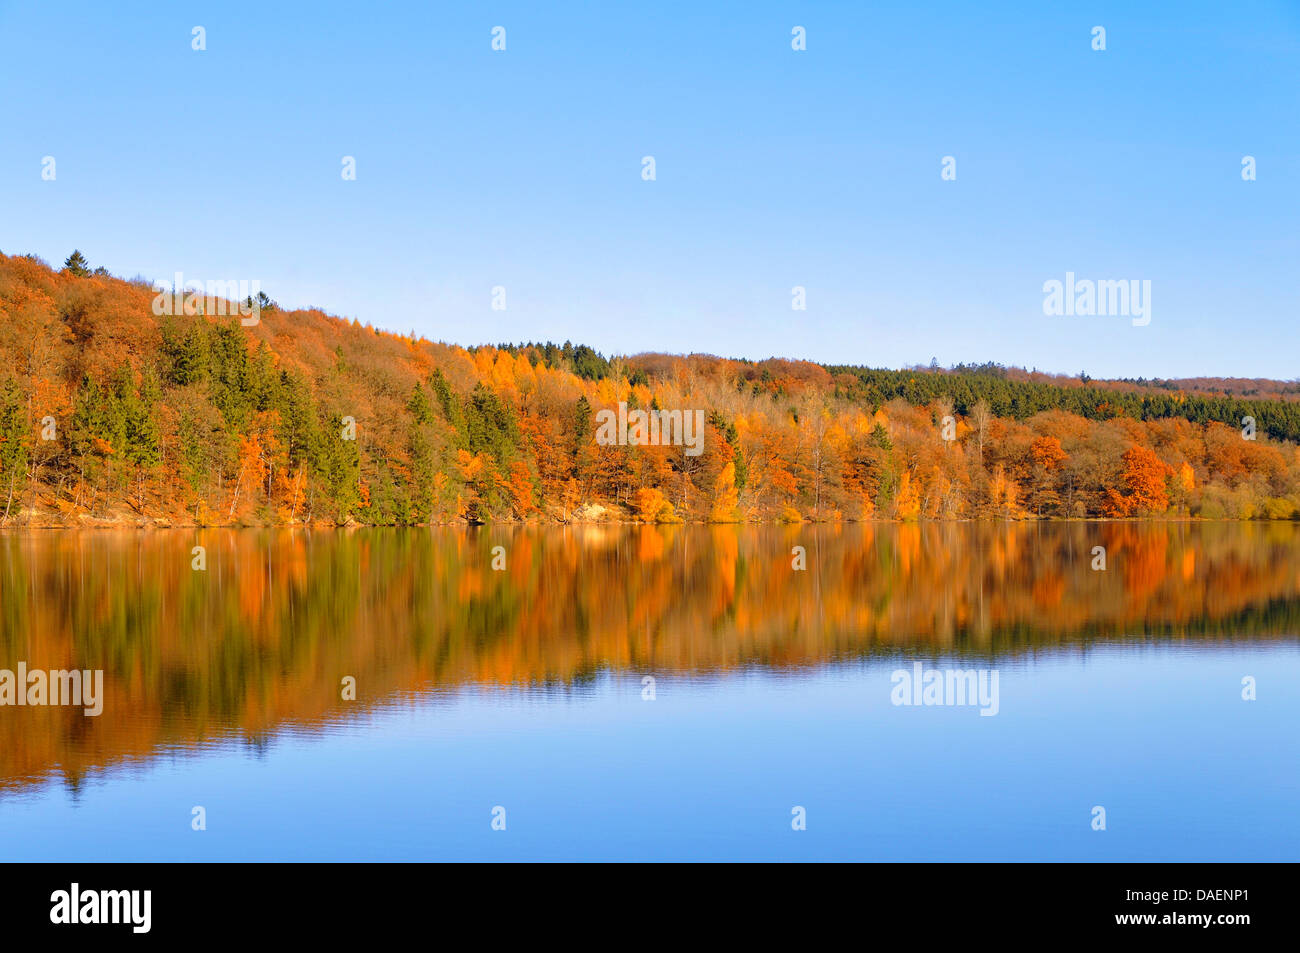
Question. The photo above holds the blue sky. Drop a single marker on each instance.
(775, 169)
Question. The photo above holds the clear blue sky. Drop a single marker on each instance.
(775, 168)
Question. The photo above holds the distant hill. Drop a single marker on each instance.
(111, 412)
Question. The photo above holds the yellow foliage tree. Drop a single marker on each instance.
(651, 507)
(725, 497)
(907, 503)
(1004, 494)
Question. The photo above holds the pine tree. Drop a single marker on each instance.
(13, 443)
(142, 432)
(419, 406)
(450, 404)
(583, 445)
(77, 265)
(338, 462)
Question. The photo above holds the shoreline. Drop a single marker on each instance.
(150, 525)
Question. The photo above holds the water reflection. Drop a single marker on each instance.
(262, 639)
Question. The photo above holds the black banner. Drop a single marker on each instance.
(145, 902)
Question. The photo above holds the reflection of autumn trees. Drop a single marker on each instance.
(304, 417)
(262, 639)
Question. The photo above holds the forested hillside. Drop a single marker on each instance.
(110, 413)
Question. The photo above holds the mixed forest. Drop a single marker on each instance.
(113, 414)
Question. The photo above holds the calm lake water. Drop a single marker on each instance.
(659, 693)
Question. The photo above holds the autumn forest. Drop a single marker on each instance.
(111, 414)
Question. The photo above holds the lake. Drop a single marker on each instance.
(935, 691)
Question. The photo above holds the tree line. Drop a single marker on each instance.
(111, 413)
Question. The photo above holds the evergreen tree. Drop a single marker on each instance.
(338, 465)
(77, 265)
(141, 427)
(232, 389)
(419, 406)
(193, 439)
(292, 401)
(13, 443)
(451, 408)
